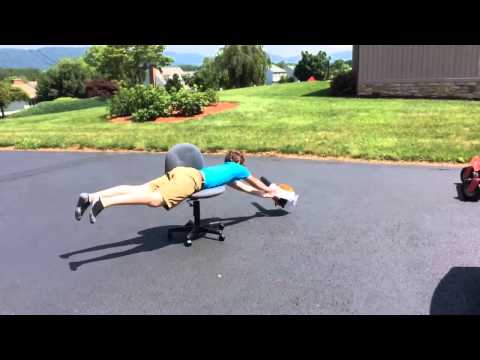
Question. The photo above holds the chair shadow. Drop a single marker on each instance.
(156, 238)
(458, 293)
(458, 187)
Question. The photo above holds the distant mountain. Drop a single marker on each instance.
(45, 57)
(41, 58)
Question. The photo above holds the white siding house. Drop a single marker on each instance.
(159, 77)
(274, 74)
(29, 88)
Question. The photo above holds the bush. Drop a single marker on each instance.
(286, 79)
(119, 104)
(211, 97)
(187, 102)
(143, 102)
(174, 84)
(343, 85)
(101, 88)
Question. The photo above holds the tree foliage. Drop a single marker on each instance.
(65, 79)
(312, 65)
(28, 74)
(210, 75)
(126, 63)
(245, 65)
(339, 67)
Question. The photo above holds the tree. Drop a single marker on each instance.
(28, 74)
(312, 65)
(9, 94)
(339, 67)
(210, 75)
(66, 78)
(245, 65)
(126, 63)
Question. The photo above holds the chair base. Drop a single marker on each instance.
(195, 229)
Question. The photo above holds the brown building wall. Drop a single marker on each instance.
(451, 71)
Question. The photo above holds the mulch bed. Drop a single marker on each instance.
(207, 110)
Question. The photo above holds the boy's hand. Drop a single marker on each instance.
(269, 195)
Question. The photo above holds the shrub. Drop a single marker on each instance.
(174, 84)
(211, 97)
(143, 102)
(143, 115)
(187, 102)
(286, 79)
(100, 87)
(119, 104)
(343, 84)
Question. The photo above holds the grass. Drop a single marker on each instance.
(296, 118)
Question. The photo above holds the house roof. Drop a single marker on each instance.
(30, 87)
(276, 69)
(172, 70)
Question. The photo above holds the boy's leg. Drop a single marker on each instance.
(86, 199)
(117, 190)
(139, 196)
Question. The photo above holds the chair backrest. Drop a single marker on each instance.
(184, 155)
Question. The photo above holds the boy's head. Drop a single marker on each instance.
(235, 156)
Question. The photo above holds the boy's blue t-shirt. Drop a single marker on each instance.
(223, 174)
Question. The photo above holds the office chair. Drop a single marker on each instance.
(189, 155)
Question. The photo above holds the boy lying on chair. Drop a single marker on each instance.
(175, 186)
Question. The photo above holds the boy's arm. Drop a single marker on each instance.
(252, 180)
(242, 186)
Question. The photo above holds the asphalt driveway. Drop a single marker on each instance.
(364, 239)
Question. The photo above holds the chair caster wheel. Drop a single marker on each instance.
(188, 243)
(221, 238)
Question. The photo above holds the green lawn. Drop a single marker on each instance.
(296, 118)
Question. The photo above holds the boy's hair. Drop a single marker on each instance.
(235, 156)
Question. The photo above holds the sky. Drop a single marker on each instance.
(210, 50)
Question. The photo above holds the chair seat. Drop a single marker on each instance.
(208, 193)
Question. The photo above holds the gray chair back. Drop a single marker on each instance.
(184, 155)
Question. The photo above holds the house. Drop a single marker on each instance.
(274, 74)
(429, 71)
(290, 69)
(29, 88)
(160, 76)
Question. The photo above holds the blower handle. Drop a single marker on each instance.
(265, 181)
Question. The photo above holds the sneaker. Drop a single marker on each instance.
(82, 204)
(97, 207)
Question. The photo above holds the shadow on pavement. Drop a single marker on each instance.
(459, 196)
(156, 238)
(458, 293)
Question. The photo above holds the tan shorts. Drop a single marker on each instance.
(177, 185)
